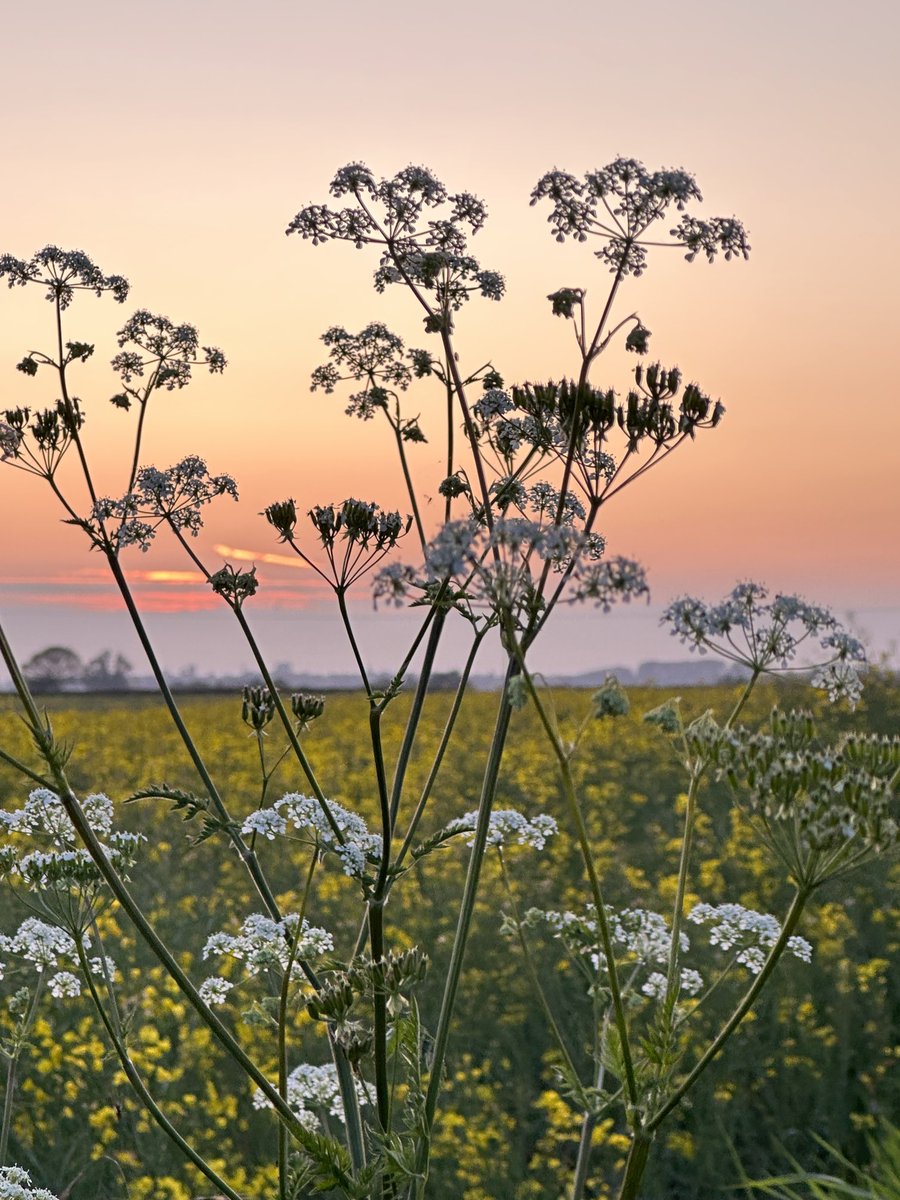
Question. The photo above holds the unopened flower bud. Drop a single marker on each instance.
(257, 708)
(283, 516)
(610, 700)
(307, 708)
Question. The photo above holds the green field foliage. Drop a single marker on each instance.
(820, 1056)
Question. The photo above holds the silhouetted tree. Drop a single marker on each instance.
(53, 669)
(106, 672)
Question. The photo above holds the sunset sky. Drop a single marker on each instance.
(173, 142)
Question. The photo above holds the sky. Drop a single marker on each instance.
(174, 142)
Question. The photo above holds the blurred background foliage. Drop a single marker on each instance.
(820, 1057)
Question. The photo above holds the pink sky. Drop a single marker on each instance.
(174, 146)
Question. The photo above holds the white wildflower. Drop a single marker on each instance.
(751, 934)
(15, 1184)
(266, 822)
(64, 983)
(39, 943)
(358, 850)
(655, 984)
(506, 825)
(264, 944)
(312, 1090)
(215, 989)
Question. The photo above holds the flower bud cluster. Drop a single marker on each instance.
(307, 708)
(233, 585)
(827, 804)
(362, 524)
(36, 443)
(257, 707)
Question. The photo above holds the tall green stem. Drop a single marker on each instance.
(442, 748)
(12, 1061)
(247, 856)
(532, 971)
(467, 908)
(415, 712)
(635, 1166)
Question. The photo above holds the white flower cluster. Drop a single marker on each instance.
(42, 946)
(38, 943)
(641, 939)
(263, 944)
(15, 1184)
(765, 635)
(66, 864)
(359, 849)
(43, 813)
(643, 936)
(313, 1090)
(215, 989)
(655, 985)
(753, 934)
(507, 825)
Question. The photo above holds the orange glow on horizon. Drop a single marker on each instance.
(279, 560)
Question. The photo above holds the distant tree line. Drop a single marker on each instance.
(60, 669)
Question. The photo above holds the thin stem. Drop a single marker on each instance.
(697, 773)
(415, 712)
(137, 1083)
(759, 981)
(532, 970)
(467, 908)
(273, 692)
(635, 1165)
(345, 617)
(376, 928)
(594, 880)
(71, 412)
(282, 1026)
(12, 1062)
(249, 859)
(420, 529)
(441, 750)
(26, 771)
(12, 1068)
(683, 866)
(589, 1124)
